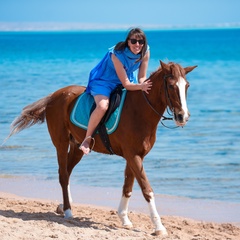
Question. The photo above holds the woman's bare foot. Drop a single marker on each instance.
(85, 146)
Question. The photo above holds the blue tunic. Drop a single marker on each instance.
(103, 78)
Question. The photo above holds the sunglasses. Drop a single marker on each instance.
(134, 41)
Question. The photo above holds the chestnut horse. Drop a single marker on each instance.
(140, 116)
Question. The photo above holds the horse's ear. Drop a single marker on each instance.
(189, 69)
(165, 67)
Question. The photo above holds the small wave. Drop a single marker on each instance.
(231, 164)
(11, 147)
(6, 176)
(217, 111)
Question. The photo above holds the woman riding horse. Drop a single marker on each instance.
(132, 140)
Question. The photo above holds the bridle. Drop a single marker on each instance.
(170, 109)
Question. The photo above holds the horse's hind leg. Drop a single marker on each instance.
(126, 194)
(62, 156)
(65, 170)
(74, 157)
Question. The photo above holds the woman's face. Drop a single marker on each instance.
(135, 44)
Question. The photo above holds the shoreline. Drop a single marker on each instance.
(50, 190)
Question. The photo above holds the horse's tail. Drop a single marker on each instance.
(32, 114)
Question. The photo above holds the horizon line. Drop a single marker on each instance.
(75, 26)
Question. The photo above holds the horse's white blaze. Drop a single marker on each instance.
(182, 86)
(123, 211)
(156, 220)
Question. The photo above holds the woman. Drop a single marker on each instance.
(119, 66)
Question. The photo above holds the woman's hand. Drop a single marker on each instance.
(146, 86)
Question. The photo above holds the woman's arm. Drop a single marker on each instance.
(122, 75)
(142, 73)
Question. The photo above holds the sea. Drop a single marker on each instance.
(199, 161)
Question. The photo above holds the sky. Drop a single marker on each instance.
(110, 13)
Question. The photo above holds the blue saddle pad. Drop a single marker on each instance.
(81, 112)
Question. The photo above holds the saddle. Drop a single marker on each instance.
(85, 105)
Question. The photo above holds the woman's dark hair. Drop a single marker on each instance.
(139, 34)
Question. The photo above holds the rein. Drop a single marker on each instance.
(169, 109)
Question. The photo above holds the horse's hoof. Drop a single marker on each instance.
(128, 226)
(161, 233)
(59, 209)
(68, 214)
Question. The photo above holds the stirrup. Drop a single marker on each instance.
(92, 139)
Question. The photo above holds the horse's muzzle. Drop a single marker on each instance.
(181, 118)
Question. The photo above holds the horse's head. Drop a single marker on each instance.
(176, 87)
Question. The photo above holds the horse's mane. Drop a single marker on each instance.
(155, 72)
(175, 68)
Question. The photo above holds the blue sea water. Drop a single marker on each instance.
(201, 160)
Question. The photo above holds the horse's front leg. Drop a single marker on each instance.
(137, 167)
(156, 220)
(126, 194)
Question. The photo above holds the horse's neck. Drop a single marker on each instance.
(148, 107)
(156, 95)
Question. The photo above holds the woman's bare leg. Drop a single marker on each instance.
(102, 103)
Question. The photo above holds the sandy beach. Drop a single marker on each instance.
(35, 217)
(22, 218)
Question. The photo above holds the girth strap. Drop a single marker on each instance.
(114, 102)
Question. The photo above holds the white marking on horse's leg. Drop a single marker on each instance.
(69, 194)
(156, 220)
(68, 213)
(123, 212)
(181, 85)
